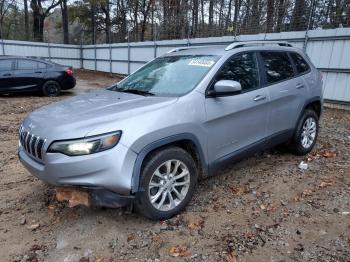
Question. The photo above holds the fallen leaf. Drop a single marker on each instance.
(196, 225)
(33, 226)
(130, 237)
(307, 192)
(231, 257)
(329, 154)
(324, 184)
(102, 259)
(51, 206)
(179, 251)
(236, 190)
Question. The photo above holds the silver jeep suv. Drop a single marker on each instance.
(149, 138)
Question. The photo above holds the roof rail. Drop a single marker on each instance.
(255, 43)
(178, 49)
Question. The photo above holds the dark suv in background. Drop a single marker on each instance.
(19, 74)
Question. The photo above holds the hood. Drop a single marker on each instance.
(76, 117)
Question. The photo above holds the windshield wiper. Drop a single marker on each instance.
(135, 91)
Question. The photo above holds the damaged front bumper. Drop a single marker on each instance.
(96, 197)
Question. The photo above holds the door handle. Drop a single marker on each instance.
(8, 74)
(300, 85)
(38, 72)
(259, 97)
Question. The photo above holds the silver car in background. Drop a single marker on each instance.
(148, 139)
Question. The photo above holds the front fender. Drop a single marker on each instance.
(135, 183)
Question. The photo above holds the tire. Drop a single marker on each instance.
(299, 146)
(51, 88)
(159, 161)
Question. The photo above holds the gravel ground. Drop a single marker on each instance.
(261, 209)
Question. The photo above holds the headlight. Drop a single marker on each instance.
(86, 146)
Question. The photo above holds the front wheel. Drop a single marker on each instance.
(168, 180)
(306, 133)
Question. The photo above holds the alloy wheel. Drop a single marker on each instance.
(308, 132)
(169, 185)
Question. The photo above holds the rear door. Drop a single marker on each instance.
(6, 74)
(236, 122)
(28, 74)
(286, 91)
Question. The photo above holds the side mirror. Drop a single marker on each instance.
(225, 87)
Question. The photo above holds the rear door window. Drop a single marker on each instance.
(301, 65)
(6, 64)
(278, 66)
(27, 65)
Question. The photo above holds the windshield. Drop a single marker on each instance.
(168, 76)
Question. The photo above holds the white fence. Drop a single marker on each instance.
(328, 49)
(62, 54)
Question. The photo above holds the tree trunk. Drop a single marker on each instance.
(65, 27)
(26, 20)
(38, 26)
(107, 22)
(297, 23)
(93, 23)
(202, 16)
(211, 13)
(280, 15)
(136, 28)
(228, 17)
(255, 18)
(195, 18)
(235, 18)
(269, 16)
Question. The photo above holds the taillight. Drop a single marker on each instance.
(69, 72)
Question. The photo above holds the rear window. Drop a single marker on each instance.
(300, 63)
(278, 66)
(5, 64)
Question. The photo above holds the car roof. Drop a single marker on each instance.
(235, 47)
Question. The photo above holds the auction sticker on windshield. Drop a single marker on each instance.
(201, 62)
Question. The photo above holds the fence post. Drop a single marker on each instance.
(155, 50)
(81, 55)
(49, 50)
(308, 25)
(95, 57)
(3, 46)
(128, 52)
(110, 58)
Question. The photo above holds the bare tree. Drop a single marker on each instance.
(26, 20)
(269, 15)
(64, 11)
(298, 23)
(39, 15)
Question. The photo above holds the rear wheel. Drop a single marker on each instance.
(51, 88)
(168, 181)
(305, 134)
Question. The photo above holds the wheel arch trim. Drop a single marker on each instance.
(135, 181)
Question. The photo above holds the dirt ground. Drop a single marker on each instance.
(264, 208)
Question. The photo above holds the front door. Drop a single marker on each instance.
(236, 122)
(28, 74)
